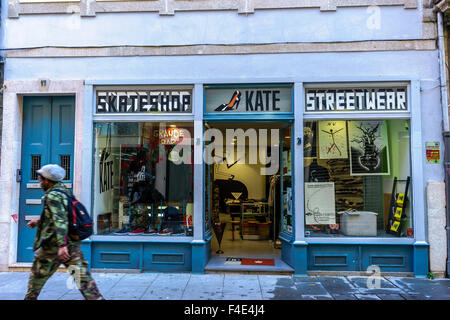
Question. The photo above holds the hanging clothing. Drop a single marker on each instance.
(180, 182)
(272, 189)
(161, 169)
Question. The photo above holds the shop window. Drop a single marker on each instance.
(357, 178)
(143, 179)
(248, 181)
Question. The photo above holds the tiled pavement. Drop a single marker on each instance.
(228, 286)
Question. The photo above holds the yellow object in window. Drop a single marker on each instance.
(400, 199)
(395, 226)
(398, 213)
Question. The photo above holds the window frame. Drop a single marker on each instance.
(92, 117)
(413, 114)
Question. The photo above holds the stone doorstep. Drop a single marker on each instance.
(26, 267)
(439, 274)
(244, 272)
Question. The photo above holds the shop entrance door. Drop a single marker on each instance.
(250, 199)
(47, 137)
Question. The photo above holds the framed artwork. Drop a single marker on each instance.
(319, 203)
(309, 139)
(369, 150)
(333, 139)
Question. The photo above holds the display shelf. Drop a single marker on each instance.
(254, 224)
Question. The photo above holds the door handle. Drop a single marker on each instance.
(19, 175)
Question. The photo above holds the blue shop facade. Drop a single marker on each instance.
(315, 176)
(302, 150)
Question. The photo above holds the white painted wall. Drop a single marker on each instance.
(248, 174)
(215, 27)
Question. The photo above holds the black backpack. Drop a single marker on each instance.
(81, 225)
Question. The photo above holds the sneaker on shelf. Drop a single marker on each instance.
(165, 232)
(122, 232)
(137, 231)
(151, 231)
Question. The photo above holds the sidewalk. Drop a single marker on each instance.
(187, 286)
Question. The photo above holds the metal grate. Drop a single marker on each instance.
(115, 257)
(167, 258)
(388, 261)
(330, 260)
(65, 164)
(35, 165)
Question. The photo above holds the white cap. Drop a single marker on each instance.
(52, 172)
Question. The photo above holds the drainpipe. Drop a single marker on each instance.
(445, 117)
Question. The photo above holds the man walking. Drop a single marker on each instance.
(53, 243)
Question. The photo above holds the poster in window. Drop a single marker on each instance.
(319, 203)
(369, 151)
(309, 139)
(333, 139)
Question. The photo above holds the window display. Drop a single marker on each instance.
(143, 181)
(357, 177)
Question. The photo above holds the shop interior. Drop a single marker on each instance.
(249, 204)
(357, 178)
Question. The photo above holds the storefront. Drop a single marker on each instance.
(143, 178)
(159, 195)
(319, 176)
(325, 118)
(362, 151)
(248, 174)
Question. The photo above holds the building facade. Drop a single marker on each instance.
(334, 107)
(441, 263)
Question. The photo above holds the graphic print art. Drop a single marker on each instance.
(369, 152)
(333, 140)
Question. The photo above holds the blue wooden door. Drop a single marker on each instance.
(47, 137)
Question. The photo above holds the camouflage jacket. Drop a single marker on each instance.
(53, 227)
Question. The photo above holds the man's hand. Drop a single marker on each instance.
(63, 254)
(32, 224)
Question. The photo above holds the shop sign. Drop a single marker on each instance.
(144, 101)
(248, 100)
(433, 152)
(169, 136)
(356, 100)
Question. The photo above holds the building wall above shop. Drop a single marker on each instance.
(65, 24)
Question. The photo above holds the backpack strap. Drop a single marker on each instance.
(70, 207)
(68, 196)
(63, 192)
